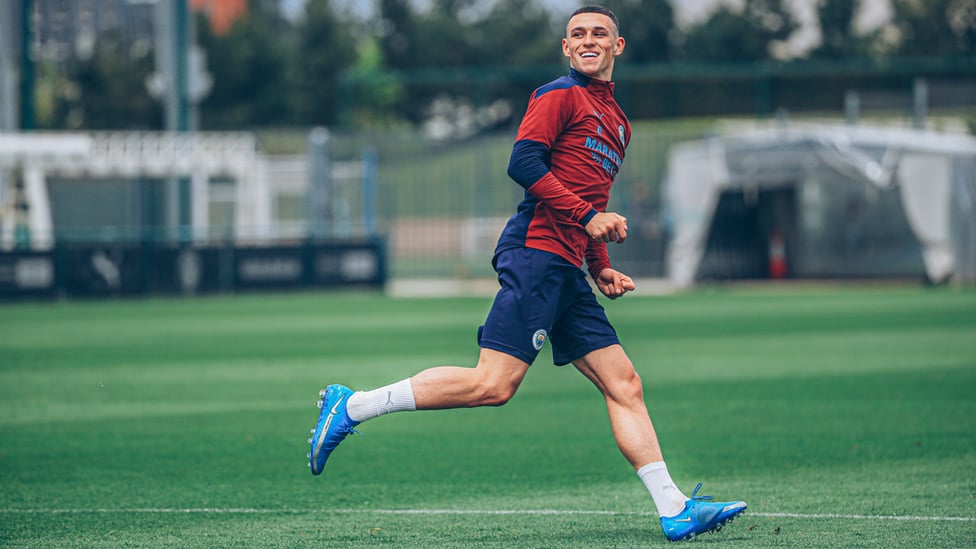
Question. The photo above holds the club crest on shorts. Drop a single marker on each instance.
(539, 339)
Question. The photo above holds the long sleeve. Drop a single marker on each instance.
(529, 165)
(597, 258)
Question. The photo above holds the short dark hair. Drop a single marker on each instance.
(601, 10)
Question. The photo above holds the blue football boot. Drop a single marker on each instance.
(333, 426)
(700, 515)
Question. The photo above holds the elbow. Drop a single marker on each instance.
(528, 163)
(521, 176)
(513, 171)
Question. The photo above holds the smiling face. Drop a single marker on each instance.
(592, 44)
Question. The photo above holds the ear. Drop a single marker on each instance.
(619, 48)
(566, 51)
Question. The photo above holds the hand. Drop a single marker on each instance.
(607, 227)
(614, 284)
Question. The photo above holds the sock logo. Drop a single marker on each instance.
(539, 339)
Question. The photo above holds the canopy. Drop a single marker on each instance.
(934, 173)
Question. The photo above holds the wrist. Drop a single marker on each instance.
(585, 220)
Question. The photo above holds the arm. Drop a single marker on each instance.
(529, 166)
(528, 161)
(545, 119)
(596, 258)
(610, 282)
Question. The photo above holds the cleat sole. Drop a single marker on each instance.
(715, 528)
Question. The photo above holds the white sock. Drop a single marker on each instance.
(396, 397)
(668, 499)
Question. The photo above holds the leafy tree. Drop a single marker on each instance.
(368, 94)
(107, 91)
(742, 35)
(442, 40)
(398, 27)
(448, 50)
(249, 65)
(838, 37)
(647, 26)
(453, 34)
(326, 48)
(935, 27)
(515, 33)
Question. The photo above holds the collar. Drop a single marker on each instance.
(601, 88)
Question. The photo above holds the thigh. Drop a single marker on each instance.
(582, 327)
(527, 305)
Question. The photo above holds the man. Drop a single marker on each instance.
(569, 147)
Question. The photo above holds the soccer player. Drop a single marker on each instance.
(569, 147)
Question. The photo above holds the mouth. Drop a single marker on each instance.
(589, 55)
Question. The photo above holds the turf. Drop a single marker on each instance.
(846, 417)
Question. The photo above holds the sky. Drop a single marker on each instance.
(875, 12)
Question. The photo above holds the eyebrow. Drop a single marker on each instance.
(582, 28)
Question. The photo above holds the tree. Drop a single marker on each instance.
(515, 33)
(107, 90)
(249, 65)
(326, 48)
(446, 53)
(740, 35)
(647, 26)
(935, 27)
(398, 23)
(368, 94)
(838, 36)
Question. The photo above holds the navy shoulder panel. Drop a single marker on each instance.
(561, 83)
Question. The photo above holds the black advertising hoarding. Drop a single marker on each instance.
(126, 269)
(355, 264)
(102, 270)
(27, 274)
(275, 267)
(324, 264)
(189, 271)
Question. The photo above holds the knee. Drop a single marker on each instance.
(629, 388)
(494, 392)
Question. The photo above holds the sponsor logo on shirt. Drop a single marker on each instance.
(602, 154)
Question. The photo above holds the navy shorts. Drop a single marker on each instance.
(542, 297)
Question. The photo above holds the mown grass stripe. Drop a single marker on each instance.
(489, 512)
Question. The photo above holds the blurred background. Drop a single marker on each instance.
(208, 146)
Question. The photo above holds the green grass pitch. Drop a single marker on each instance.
(844, 416)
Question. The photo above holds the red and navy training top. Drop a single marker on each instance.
(569, 148)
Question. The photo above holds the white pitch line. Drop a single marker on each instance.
(862, 517)
(490, 512)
